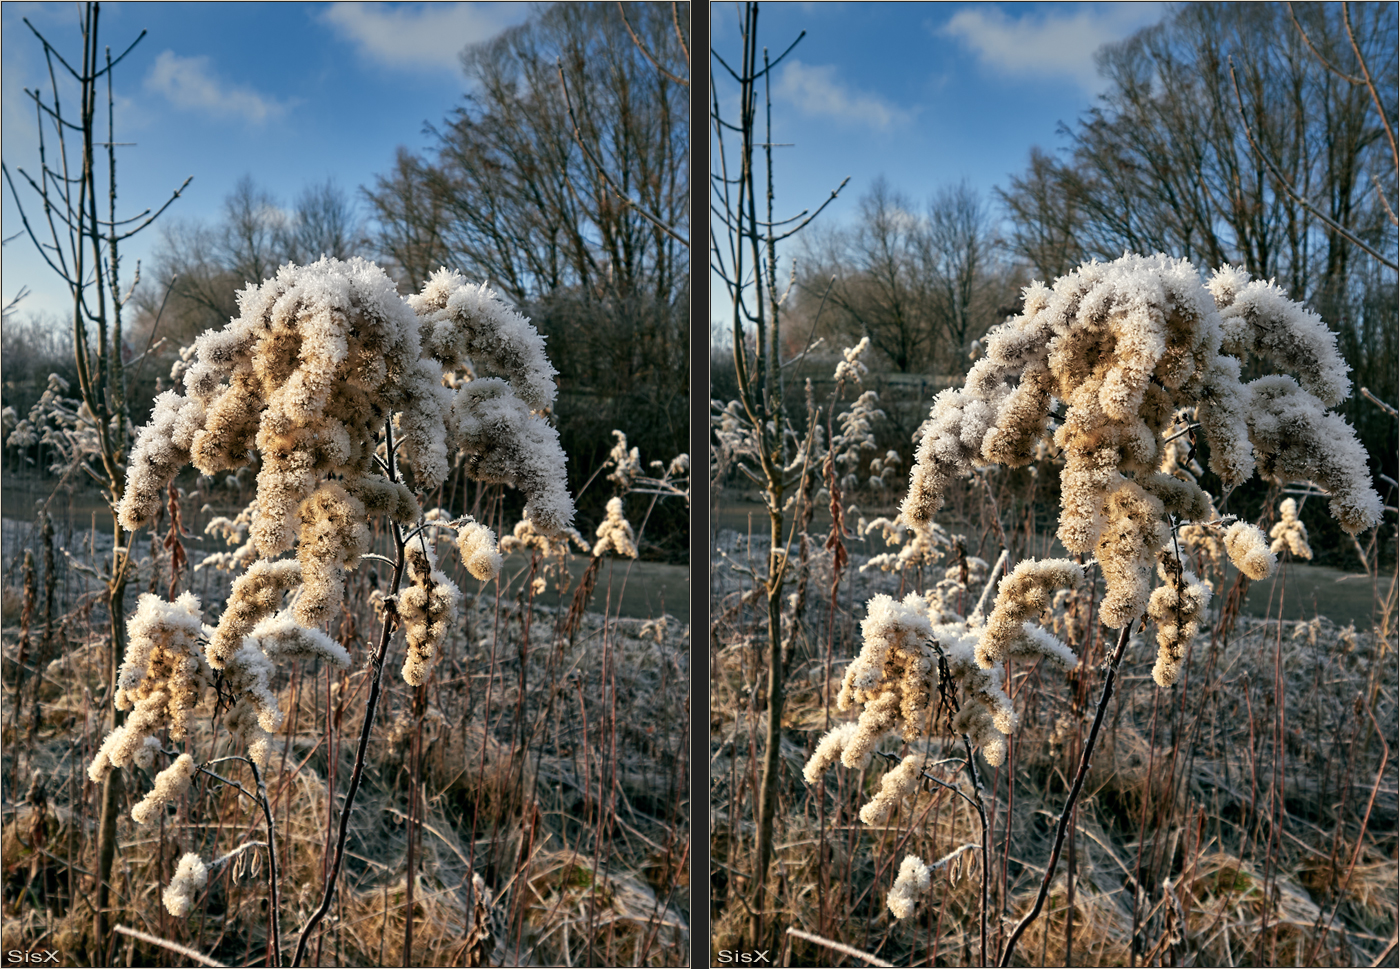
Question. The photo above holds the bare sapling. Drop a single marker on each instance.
(746, 261)
(82, 246)
(350, 400)
(1099, 366)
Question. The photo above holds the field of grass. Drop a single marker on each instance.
(1247, 815)
(550, 754)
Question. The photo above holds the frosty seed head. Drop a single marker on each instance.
(1127, 345)
(1289, 532)
(615, 533)
(191, 875)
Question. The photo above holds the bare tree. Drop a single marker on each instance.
(324, 222)
(409, 218)
(82, 248)
(1163, 163)
(921, 286)
(961, 259)
(210, 264)
(519, 202)
(883, 286)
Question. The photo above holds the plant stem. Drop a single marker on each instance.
(376, 676)
(1073, 798)
(274, 916)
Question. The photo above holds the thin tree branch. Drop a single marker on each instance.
(1288, 189)
(637, 41)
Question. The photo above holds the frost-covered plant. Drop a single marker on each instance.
(234, 532)
(1102, 366)
(627, 475)
(553, 549)
(918, 545)
(350, 398)
(66, 424)
(615, 533)
(320, 358)
(856, 435)
(191, 875)
(1289, 533)
(896, 675)
(1124, 346)
(850, 367)
(428, 608)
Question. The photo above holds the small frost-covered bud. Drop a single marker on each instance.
(480, 553)
(428, 608)
(615, 533)
(912, 880)
(1249, 550)
(1177, 615)
(896, 785)
(1289, 532)
(170, 784)
(190, 876)
(829, 750)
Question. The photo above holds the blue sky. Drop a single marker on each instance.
(290, 94)
(925, 94)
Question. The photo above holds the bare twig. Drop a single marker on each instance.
(175, 947)
(840, 947)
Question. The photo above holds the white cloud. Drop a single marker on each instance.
(817, 90)
(1056, 43)
(189, 82)
(418, 36)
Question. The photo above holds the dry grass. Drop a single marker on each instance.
(554, 783)
(1247, 816)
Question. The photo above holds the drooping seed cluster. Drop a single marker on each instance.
(913, 880)
(191, 875)
(1023, 595)
(895, 680)
(1176, 606)
(496, 420)
(162, 678)
(320, 357)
